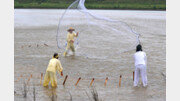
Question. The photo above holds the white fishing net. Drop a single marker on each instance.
(98, 35)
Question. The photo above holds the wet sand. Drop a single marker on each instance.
(35, 42)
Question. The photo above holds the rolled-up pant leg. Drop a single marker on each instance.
(136, 76)
(143, 75)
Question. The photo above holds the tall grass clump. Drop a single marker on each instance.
(24, 90)
(34, 93)
(94, 94)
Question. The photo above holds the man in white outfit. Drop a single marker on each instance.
(140, 66)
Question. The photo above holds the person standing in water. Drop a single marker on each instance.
(54, 65)
(70, 41)
(140, 66)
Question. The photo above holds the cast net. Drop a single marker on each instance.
(99, 36)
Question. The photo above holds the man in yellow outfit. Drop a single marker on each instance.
(70, 40)
(54, 65)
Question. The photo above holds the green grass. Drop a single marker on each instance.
(127, 6)
(42, 5)
(94, 4)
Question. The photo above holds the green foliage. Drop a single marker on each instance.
(94, 4)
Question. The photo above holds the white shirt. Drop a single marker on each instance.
(140, 58)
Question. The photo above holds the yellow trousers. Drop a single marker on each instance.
(50, 76)
(69, 46)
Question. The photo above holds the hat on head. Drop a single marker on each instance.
(70, 29)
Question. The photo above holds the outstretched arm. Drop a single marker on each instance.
(59, 68)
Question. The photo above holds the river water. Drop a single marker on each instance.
(35, 42)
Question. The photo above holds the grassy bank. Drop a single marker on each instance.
(95, 4)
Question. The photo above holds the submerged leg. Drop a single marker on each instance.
(65, 53)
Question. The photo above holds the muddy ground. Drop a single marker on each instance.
(35, 42)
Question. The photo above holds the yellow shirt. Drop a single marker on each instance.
(54, 65)
(71, 36)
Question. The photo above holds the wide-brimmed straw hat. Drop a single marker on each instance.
(70, 29)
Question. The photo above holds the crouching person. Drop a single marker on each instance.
(50, 76)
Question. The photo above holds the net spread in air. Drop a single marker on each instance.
(98, 35)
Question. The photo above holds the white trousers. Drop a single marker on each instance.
(140, 70)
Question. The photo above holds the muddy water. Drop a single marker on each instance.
(35, 42)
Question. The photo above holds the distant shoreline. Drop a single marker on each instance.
(100, 9)
(114, 6)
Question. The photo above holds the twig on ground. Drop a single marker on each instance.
(45, 44)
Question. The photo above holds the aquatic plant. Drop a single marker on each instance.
(25, 90)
